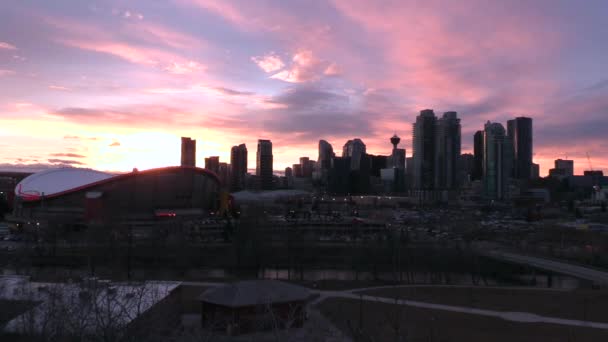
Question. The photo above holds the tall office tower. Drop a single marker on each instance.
(288, 172)
(339, 181)
(467, 164)
(566, 165)
(447, 151)
(188, 152)
(478, 156)
(424, 150)
(297, 171)
(378, 163)
(326, 152)
(224, 174)
(497, 162)
(520, 132)
(213, 164)
(307, 166)
(535, 173)
(354, 149)
(238, 167)
(397, 158)
(264, 164)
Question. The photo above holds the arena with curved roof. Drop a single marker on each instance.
(80, 196)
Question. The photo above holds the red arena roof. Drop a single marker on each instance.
(57, 182)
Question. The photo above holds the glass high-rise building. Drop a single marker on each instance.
(264, 164)
(478, 156)
(355, 149)
(424, 142)
(188, 157)
(447, 151)
(520, 132)
(497, 162)
(238, 167)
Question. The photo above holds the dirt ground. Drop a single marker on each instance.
(388, 322)
(586, 305)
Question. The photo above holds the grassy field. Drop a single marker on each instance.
(589, 305)
(388, 322)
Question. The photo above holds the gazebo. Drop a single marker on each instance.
(253, 305)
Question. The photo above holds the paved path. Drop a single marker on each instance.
(512, 316)
(520, 317)
(577, 271)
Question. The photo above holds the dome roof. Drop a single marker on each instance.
(55, 181)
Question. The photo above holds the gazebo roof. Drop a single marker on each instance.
(254, 292)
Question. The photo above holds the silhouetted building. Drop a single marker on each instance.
(213, 164)
(478, 155)
(520, 132)
(466, 167)
(188, 152)
(238, 166)
(288, 172)
(326, 152)
(354, 149)
(264, 164)
(339, 175)
(307, 166)
(535, 174)
(76, 197)
(378, 163)
(360, 178)
(409, 172)
(224, 174)
(297, 171)
(563, 168)
(323, 164)
(447, 151)
(497, 163)
(424, 150)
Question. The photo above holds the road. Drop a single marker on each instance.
(576, 271)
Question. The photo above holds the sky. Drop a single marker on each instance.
(113, 85)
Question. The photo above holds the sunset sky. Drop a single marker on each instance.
(113, 85)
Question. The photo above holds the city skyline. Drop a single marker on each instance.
(113, 86)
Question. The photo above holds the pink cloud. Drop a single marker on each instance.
(184, 68)
(269, 63)
(7, 46)
(306, 67)
(58, 87)
(89, 37)
(159, 34)
(4, 72)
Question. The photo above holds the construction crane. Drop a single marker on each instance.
(589, 160)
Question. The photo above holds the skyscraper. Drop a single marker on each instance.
(238, 166)
(424, 150)
(447, 151)
(520, 132)
(478, 156)
(566, 165)
(307, 166)
(321, 171)
(497, 162)
(354, 149)
(188, 152)
(264, 164)
(326, 152)
(213, 164)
